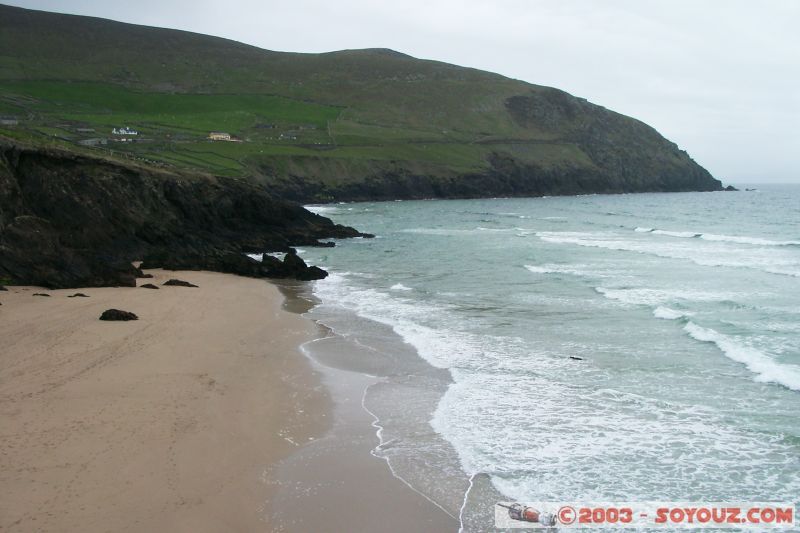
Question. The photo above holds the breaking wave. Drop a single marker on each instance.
(765, 368)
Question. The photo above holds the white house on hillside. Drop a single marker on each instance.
(219, 136)
(124, 131)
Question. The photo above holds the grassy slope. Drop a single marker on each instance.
(331, 117)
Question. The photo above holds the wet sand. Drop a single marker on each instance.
(330, 474)
(338, 472)
(188, 419)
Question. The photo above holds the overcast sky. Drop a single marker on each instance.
(719, 77)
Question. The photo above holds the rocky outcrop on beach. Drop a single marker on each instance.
(179, 283)
(118, 315)
(292, 265)
(69, 220)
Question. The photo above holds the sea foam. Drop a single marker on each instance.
(670, 314)
(765, 368)
(736, 239)
(322, 209)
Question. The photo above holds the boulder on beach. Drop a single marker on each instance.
(148, 286)
(179, 283)
(3, 288)
(117, 314)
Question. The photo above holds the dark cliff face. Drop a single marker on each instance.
(611, 154)
(508, 176)
(68, 220)
(629, 155)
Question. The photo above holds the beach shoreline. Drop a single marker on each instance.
(385, 397)
(202, 415)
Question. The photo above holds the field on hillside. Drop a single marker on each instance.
(173, 129)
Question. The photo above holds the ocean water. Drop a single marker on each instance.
(684, 309)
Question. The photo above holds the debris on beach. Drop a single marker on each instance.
(179, 283)
(78, 295)
(522, 513)
(117, 314)
(40, 294)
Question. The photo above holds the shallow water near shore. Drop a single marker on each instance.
(682, 307)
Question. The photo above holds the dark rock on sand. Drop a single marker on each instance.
(40, 294)
(179, 283)
(3, 288)
(142, 274)
(148, 286)
(116, 314)
(78, 295)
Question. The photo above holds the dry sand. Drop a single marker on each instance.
(167, 423)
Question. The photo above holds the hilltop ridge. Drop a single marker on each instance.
(345, 125)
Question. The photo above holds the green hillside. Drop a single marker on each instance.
(354, 124)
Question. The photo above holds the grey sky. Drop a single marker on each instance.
(719, 77)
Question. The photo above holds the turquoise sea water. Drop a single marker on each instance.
(684, 308)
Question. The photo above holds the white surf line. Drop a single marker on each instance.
(379, 433)
(464, 505)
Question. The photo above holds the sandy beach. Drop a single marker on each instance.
(165, 423)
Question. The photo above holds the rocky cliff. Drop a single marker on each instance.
(69, 220)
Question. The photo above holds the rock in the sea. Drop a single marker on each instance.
(311, 273)
(292, 266)
(148, 286)
(78, 295)
(293, 262)
(117, 314)
(40, 294)
(179, 283)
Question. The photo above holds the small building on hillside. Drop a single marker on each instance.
(9, 121)
(124, 131)
(219, 136)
